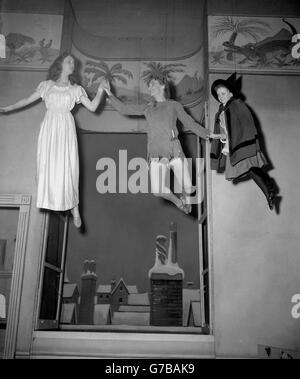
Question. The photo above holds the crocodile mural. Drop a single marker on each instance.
(259, 43)
(280, 43)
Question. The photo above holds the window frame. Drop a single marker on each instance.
(23, 203)
(47, 324)
(117, 342)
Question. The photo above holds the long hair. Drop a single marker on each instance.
(55, 69)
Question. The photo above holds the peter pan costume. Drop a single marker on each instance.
(161, 130)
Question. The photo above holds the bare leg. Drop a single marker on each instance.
(76, 217)
(182, 174)
(159, 175)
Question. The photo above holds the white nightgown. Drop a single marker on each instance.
(57, 151)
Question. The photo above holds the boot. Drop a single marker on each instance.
(265, 183)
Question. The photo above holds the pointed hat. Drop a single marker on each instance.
(230, 83)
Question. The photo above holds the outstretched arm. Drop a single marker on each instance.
(92, 105)
(192, 125)
(21, 103)
(125, 109)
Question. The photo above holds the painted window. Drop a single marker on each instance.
(123, 252)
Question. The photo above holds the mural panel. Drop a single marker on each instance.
(253, 44)
(130, 78)
(32, 41)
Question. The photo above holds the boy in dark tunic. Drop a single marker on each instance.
(164, 150)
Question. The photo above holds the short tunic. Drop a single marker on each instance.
(162, 131)
(57, 151)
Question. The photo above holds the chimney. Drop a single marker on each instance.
(166, 282)
(172, 250)
(88, 292)
(113, 283)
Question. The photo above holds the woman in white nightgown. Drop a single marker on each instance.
(57, 152)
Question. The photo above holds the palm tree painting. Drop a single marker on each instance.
(187, 89)
(251, 42)
(162, 71)
(252, 28)
(100, 69)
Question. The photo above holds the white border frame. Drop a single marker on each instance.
(56, 344)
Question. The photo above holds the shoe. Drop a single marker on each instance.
(77, 221)
(184, 206)
(76, 217)
(191, 191)
(271, 199)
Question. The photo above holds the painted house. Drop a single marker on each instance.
(69, 314)
(102, 314)
(134, 308)
(138, 299)
(70, 293)
(117, 293)
(103, 294)
(70, 303)
(137, 303)
(131, 318)
(194, 316)
(189, 295)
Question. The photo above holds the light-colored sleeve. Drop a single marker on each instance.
(127, 109)
(43, 88)
(189, 123)
(80, 91)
